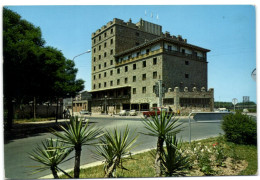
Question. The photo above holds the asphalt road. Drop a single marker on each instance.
(18, 165)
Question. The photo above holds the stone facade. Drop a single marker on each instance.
(128, 59)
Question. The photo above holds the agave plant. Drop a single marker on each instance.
(114, 145)
(160, 127)
(50, 155)
(173, 161)
(77, 135)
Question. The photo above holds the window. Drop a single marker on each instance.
(154, 61)
(105, 74)
(105, 44)
(129, 57)
(154, 87)
(195, 54)
(105, 54)
(99, 38)
(94, 77)
(137, 34)
(94, 41)
(118, 71)
(99, 57)
(111, 51)
(111, 41)
(94, 50)
(94, 68)
(186, 75)
(144, 90)
(118, 81)
(169, 48)
(137, 43)
(99, 66)
(99, 47)
(134, 78)
(126, 68)
(99, 76)
(147, 51)
(105, 34)
(111, 62)
(134, 90)
(105, 64)
(183, 51)
(137, 54)
(186, 62)
(105, 84)
(111, 31)
(99, 85)
(134, 66)
(144, 77)
(111, 72)
(111, 83)
(155, 74)
(94, 59)
(126, 80)
(144, 64)
(94, 87)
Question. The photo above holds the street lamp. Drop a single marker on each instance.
(105, 104)
(88, 51)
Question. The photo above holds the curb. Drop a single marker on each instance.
(97, 163)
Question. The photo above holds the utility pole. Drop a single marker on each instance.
(88, 51)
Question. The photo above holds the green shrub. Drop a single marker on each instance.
(240, 129)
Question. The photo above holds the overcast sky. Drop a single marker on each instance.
(228, 31)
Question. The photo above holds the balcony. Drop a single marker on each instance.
(141, 56)
(180, 54)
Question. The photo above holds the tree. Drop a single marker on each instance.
(50, 155)
(75, 136)
(32, 71)
(21, 44)
(160, 127)
(113, 146)
(173, 160)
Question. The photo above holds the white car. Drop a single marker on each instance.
(132, 113)
(122, 113)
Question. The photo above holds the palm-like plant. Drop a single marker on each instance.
(50, 154)
(173, 161)
(160, 127)
(75, 136)
(115, 145)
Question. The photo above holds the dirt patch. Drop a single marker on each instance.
(229, 167)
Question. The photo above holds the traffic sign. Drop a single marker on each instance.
(234, 101)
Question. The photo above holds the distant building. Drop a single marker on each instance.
(81, 102)
(128, 60)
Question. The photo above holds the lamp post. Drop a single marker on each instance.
(105, 104)
(88, 51)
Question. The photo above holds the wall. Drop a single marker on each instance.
(174, 70)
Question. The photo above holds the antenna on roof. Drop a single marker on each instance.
(157, 17)
(145, 13)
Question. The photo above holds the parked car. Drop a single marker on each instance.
(132, 113)
(122, 113)
(157, 111)
(84, 112)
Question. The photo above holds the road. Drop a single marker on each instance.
(18, 165)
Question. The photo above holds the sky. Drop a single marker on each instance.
(229, 31)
